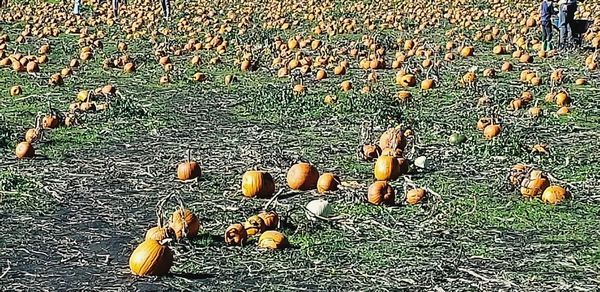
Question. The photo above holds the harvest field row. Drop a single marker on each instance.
(312, 145)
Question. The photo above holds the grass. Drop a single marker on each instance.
(113, 168)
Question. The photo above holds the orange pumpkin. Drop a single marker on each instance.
(386, 168)
(380, 192)
(491, 131)
(32, 135)
(415, 196)
(257, 184)
(235, 234)
(188, 170)
(270, 219)
(184, 223)
(427, 84)
(392, 138)
(302, 176)
(272, 239)
(158, 233)
(562, 99)
(370, 151)
(327, 182)
(24, 150)
(554, 195)
(50, 122)
(151, 258)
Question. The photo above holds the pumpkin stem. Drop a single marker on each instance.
(38, 123)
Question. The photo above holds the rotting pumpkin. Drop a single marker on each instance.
(235, 234)
(184, 223)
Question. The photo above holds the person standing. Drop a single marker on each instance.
(166, 8)
(77, 7)
(562, 24)
(546, 13)
(571, 8)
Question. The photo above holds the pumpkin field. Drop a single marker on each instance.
(262, 145)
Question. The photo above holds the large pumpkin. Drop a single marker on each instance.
(185, 223)
(24, 150)
(151, 258)
(386, 168)
(257, 184)
(302, 176)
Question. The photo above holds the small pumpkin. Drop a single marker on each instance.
(483, 122)
(427, 84)
(257, 184)
(159, 233)
(15, 90)
(415, 196)
(562, 99)
(535, 111)
(129, 67)
(380, 192)
(316, 208)
(554, 195)
(32, 135)
(24, 150)
(87, 106)
(189, 169)
(302, 176)
(272, 239)
(491, 131)
(150, 258)
(236, 234)
(270, 219)
(346, 85)
(184, 223)
(329, 99)
(563, 110)
(254, 225)
(370, 151)
(327, 182)
(50, 121)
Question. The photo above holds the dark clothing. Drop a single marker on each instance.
(546, 11)
(166, 8)
(570, 14)
(547, 33)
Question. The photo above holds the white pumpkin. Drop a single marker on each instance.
(318, 207)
